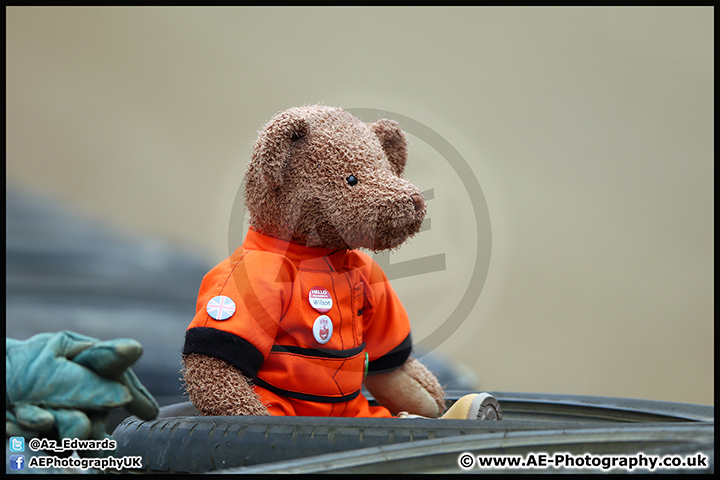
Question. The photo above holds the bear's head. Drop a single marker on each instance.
(321, 177)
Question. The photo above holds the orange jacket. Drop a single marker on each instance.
(304, 323)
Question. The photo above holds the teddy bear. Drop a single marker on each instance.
(299, 317)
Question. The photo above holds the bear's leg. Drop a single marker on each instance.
(475, 406)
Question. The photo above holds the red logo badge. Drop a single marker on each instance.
(322, 329)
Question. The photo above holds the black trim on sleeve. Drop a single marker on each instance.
(235, 350)
(393, 359)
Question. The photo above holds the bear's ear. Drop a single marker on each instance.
(274, 145)
(393, 141)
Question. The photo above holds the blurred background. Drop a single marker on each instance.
(581, 220)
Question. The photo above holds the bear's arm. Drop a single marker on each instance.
(220, 356)
(410, 388)
(217, 388)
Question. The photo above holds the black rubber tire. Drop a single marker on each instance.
(179, 443)
(442, 455)
(201, 444)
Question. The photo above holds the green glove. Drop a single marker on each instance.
(69, 382)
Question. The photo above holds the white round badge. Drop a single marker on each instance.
(322, 329)
(320, 299)
(220, 307)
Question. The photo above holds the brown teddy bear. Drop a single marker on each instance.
(297, 319)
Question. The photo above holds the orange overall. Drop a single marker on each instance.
(306, 324)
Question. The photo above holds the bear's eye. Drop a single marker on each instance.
(352, 181)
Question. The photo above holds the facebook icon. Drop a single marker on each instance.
(17, 462)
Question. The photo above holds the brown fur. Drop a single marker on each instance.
(297, 189)
(217, 388)
(411, 388)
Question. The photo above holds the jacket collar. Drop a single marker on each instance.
(302, 256)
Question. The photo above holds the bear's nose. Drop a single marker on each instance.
(418, 201)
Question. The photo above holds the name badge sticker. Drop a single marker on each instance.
(320, 299)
